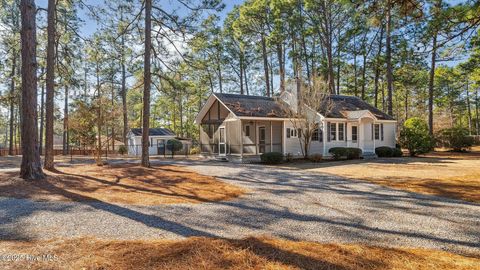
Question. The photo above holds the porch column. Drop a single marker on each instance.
(360, 134)
(373, 130)
(256, 138)
(271, 137)
(324, 135)
(283, 137)
(241, 138)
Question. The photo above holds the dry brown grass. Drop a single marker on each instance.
(124, 184)
(208, 253)
(441, 173)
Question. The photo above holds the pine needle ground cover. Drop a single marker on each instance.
(122, 184)
(440, 173)
(209, 253)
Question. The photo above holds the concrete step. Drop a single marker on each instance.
(369, 155)
(221, 159)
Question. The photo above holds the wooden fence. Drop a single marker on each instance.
(59, 152)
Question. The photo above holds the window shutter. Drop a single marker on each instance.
(299, 133)
(288, 132)
(328, 131)
(345, 128)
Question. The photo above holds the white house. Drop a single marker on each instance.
(241, 127)
(158, 139)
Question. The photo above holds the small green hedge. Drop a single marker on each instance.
(397, 152)
(122, 150)
(385, 151)
(271, 158)
(174, 145)
(345, 152)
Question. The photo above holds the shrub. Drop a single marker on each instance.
(338, 152)
(455, 138)
(414, 137)
(397, 152)
(384, 151)
(347, 152)
(195, 150)
(289, 157)
(271, 158)
(174, 145)
(353, 153)
(122, 150)
(315, 158)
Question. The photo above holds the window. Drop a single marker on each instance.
(315, 135)
(292, 133)
(381, 131)
(377, 132)
(333, 131)
(341, 127)
(354, 133)
(247, 130)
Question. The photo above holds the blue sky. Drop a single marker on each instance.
(90, 25)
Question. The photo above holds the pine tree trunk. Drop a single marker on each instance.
(240, 75)
(50, 78)
(99, 117)
(477, 117)
(389, 60)
(113, 106)
(42, 109)
(12, 103)
(219, 72)
(281, 67)
(146, 84)
(31, 167)
(469, 111)
(431, 84)
(246, 78)
(377, 67)
(124, 96)
(265, 64)
(355, 83)
(364, 76)
(65, 123)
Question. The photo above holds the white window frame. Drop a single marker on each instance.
(293, 132)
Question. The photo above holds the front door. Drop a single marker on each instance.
(222, 148)
(261, 140)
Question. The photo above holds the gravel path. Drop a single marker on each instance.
(286, 203)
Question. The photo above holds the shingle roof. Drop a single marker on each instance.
(258, 106)
(154, 132)
(341, 104)
(255, 106)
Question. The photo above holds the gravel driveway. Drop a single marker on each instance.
(293, 204)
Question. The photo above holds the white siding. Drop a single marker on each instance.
(388, 135)
(135, 144)
(294, 147)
